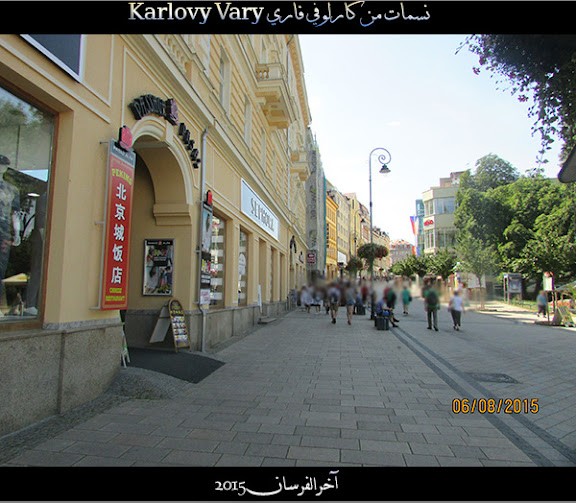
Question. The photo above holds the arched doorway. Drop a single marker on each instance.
(162, 210)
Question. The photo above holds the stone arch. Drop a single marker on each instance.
(156, 142)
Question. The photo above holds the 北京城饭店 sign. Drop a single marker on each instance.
(117, 228)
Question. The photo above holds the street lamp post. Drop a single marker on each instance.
(384, 158)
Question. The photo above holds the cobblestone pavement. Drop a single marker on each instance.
(304, 392)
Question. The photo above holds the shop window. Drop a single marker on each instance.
(217, 262)
(224, 89)
(64, 50)
(26, 135)
(242, 269)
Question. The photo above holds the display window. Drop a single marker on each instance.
(26, 139)
(242, 269)
(217, 265)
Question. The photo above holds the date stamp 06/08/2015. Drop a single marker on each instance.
(495, 405)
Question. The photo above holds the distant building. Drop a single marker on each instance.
(438, 223)
(331, 237)
(342, 227)
(419, 227)
(400, 250)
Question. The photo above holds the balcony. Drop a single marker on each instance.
(275, 99)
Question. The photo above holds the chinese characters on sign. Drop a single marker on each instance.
(117, 228)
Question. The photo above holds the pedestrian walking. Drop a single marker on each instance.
(334, 296)
(431, 304)
(350, 301)
(406, 299)
(542, 302)
(456, 307)
(305, 299)
(317, 299)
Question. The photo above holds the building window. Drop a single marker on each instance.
(429, 239)
(247, 121)
(26, 135)
(446, 238)
(444, 205)
(224, 90)
(217, 262)
(242, 269)
(64, 50)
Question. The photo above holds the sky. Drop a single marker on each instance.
(418, 99)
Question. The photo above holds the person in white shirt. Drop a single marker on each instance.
(456, 307)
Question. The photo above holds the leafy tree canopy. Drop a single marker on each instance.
(541, 66)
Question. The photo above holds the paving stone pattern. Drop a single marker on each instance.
(304, 392)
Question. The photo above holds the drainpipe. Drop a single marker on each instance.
(200, 227)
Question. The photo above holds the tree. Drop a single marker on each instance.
(402, 268)
(540, 65)
(493, 171)
(420, 265)
(370, 252)
(354, 265)
(442, 263)
(477, 257)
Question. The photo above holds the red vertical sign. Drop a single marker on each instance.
(120, 191)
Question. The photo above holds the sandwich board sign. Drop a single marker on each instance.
(172, 317)
(178, 324)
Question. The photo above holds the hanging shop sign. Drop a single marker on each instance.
(158, 267)
(117, 226)
(148, 104)
(258, 212)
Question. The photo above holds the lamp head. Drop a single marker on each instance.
(384, 169)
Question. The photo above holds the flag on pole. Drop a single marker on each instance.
(414, 222)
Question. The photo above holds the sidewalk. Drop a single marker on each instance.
(303, 392)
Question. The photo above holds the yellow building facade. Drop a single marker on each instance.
(331, 238)
(218, 118)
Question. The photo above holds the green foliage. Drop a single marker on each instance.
(442, 263)
(412, 266)
(370, 252)
(476, 256)
(541, 66)
(492, 172)
(526, 226)
(354, 265)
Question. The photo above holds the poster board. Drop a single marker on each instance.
(158, 267)
(178, 324)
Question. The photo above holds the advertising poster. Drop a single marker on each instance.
(205, 268)
(158, 267)
(117, 228)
